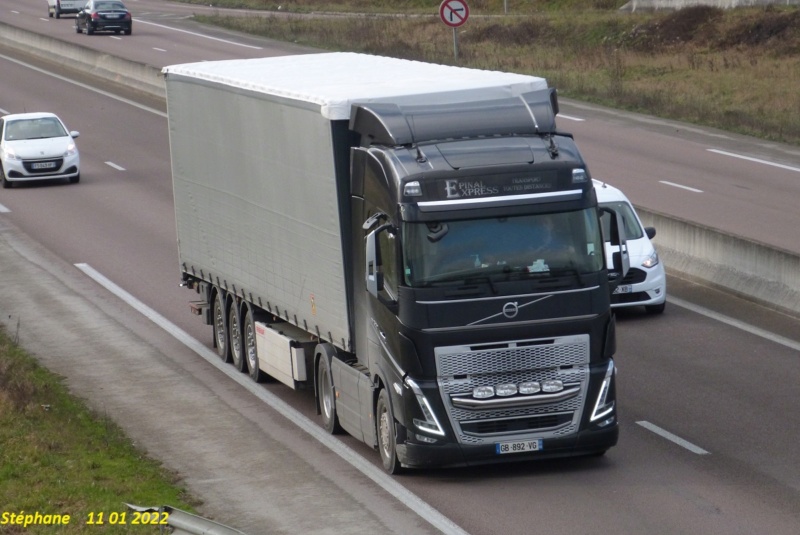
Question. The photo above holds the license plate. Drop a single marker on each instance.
(623, 289)
(43, 165)
(521, 446)
(113, 16)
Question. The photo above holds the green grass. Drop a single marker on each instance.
(738, 69)
(57, 457)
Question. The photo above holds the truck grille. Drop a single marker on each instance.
(462, 368)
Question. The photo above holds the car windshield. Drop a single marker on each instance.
(41, 128)
(633, 230)
(502, 248)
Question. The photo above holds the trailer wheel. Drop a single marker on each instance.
(327, 403)
(237, 349)
(250, 351)
(220, 334)
(387, 438)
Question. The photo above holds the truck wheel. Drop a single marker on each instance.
(250, 350)
(220, 336)
(237, 349)
(387, 445)
(327, 403)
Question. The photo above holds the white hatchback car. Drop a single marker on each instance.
(646, 283)
(37, 146)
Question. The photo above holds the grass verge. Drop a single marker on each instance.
(59, 458)
(735, 69)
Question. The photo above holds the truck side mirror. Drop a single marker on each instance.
(620, 259)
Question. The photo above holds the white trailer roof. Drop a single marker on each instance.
(335, 80)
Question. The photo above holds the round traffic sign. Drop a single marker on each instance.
(454, 13)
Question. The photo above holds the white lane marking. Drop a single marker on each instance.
(571, 118)
(4, 111)
(673, 438)
(383, 480)
(772, 337)
(84, 86)
(674, 185)
(4, 210)
(199, 35)
(748, 158)
(159, 49)
(115, 166)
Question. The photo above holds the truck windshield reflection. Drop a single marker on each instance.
(538, 245)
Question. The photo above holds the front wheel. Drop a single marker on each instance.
(6, 183)
(387, 436)
(656, 309)
(75, 179)
(220, 334)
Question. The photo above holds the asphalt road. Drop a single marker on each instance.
(709, 425)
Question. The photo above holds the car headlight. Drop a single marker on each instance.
(651, 260)
(72, 150)
(9, 154)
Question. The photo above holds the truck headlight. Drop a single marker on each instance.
(430, 424)
(602, 406)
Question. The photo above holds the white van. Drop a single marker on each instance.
(646, 282)
(59, 7)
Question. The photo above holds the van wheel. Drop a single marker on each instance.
(220, 335)
(327, 403)
(387, 436)
(237, 349)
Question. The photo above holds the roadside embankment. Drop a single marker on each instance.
(753, 270)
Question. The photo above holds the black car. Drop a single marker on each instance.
(104, 16)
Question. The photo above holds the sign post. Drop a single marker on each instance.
(454, 13)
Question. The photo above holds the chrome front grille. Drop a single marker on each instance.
(462, 368)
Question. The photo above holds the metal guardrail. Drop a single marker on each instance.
(182, 523)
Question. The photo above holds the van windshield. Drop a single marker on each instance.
(500, 248)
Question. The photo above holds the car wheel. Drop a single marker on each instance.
(75, 179)
(128, 31)
(58, 14)
(387, 436)
(656, 309)
(89, 29)
(325, 394)
(6, 183)
(49, 13)
(77, 27)
(220, 333)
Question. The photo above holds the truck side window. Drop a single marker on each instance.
(388, 256)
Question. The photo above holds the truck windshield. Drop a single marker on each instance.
(499, 248)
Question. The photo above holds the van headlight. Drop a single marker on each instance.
(651, 260)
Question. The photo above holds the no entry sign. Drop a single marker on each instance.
(454, 13)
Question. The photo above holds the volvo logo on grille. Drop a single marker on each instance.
(510, 310)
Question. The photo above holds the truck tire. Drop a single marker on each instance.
(236, 340)
(387, 437)
(249, 346)
(220, 327)
(327, 403)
